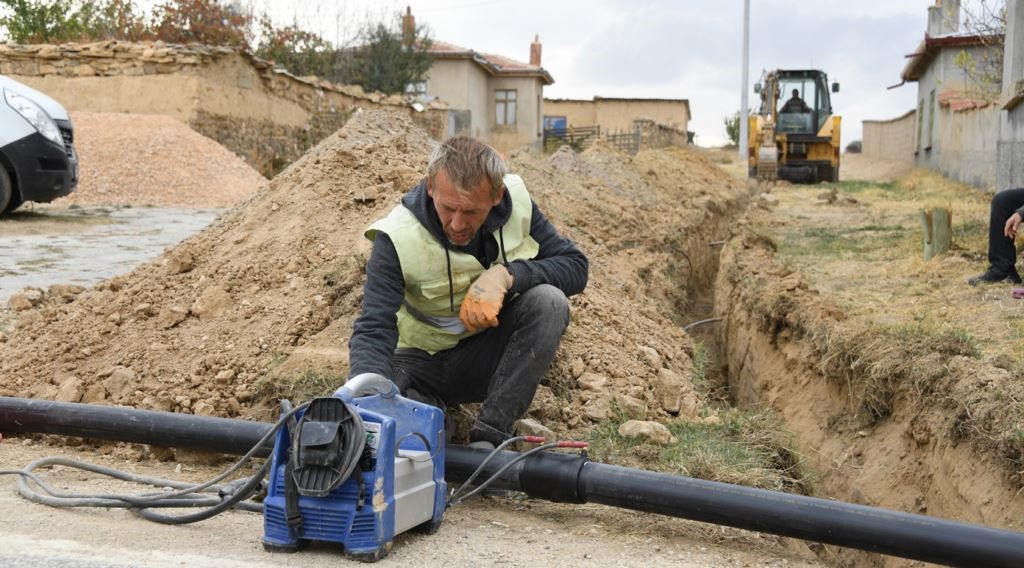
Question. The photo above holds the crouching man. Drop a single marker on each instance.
(465, 294)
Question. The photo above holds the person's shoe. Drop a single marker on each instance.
(992, 276)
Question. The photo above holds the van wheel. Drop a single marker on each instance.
(5, 191)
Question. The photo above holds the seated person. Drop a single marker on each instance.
(795, 104)
(1007, 210)
(466, 291)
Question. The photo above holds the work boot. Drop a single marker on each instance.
(992, 275)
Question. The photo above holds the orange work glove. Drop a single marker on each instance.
(482, 303)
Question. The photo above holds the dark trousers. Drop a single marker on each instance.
(500, 366)
(1001, 252)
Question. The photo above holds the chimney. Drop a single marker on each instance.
(535, 51)
(944, 18)
(951, 16)
(935, 19)
(408, 27)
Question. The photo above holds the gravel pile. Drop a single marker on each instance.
(143, 159)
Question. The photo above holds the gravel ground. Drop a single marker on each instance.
(480, 532)
(46, 245)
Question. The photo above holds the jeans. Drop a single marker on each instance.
(500, 366)
(1001, 252)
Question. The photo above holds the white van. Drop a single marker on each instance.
(37, 155)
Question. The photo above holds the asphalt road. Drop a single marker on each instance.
(48, 245)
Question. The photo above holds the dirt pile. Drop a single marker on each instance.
(144, 159)
(260, 304)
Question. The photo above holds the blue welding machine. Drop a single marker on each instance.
(356, 468)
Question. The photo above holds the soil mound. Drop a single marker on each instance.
(260, 304)
(131, 159)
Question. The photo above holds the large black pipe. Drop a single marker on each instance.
(574, 479)
(131, 425)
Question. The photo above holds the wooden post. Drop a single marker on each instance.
(937, 224)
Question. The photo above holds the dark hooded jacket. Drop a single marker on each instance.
(375, 332)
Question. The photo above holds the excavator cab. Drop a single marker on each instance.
(794, 135)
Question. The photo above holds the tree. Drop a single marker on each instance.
(300, 52)
(115, 19)
(41, 21)
(386, 61)
(983, 70)
(202, 21)
(732, 128)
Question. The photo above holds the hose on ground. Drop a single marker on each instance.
(230, 495)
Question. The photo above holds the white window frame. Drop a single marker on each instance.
(505, 107)
(417, 89)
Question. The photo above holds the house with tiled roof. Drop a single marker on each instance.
(491, 97)
(956, 123)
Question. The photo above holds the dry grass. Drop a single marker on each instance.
(743, 448)
(867, 257)
(848, 278)
(300, 388)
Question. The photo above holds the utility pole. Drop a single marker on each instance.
(744, 110)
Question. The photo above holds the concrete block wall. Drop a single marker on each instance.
(891, 140)
(968, 152)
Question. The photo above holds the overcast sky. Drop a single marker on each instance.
(689, 49)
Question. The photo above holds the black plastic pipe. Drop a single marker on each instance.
(574, 479)
(123, 424)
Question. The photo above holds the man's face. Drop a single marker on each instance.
(461, 214)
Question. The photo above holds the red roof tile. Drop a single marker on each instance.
(493, 63)
(958, 102)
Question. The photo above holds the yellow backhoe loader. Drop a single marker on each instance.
(794, 136)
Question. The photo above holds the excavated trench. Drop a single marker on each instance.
(764, 329)
(266, 297)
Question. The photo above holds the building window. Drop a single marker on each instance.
(920, 122)
(931, 119)
(505, 106)
(417, 90)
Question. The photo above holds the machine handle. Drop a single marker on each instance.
(366, 384)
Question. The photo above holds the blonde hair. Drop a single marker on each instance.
(467, 161)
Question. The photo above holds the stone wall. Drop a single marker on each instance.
(265, 115)
(105, 58)
(655, 135)
(618, 115)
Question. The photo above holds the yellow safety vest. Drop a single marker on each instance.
(425, 320)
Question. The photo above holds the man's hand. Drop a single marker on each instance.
(482, 303)
(1012, 224)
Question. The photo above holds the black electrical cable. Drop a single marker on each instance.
(459, 495)
(56, 498)
(185, 495)
(244, 493)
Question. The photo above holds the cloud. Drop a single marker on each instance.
(683, 50)
(686, 48)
